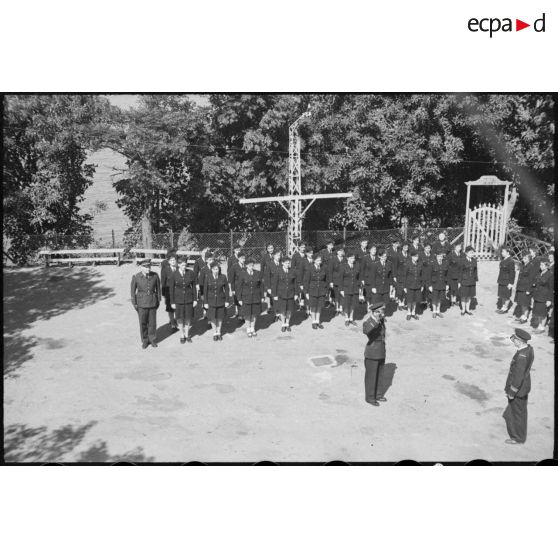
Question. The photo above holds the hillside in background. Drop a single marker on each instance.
(102, 194)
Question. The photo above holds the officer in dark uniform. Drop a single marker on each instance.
(518, 386)
(382, 280)
(145, 291)
(168, 267)
(335, 277)
(251, 295)
(524, 288)
(349, 287)
(455, 261)
(437, 283)
(367, 271)
(415, 246)
(506, 279)
(315, 289)
(412, 285)
(233, 274)
(267, 257)
(467, 282)
(183, 297)
(285, 292)
(216, 298)
(373, 326)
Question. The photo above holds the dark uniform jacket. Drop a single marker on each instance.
(271, 269)
(350, 281)
(367, 269)
(304, 268)
(285, 284)
(519, 375)
(376, 333)
(326, 256)
(215, 290)
(360, 254)
(198, 265)
(439, 248)
(506, 275)
(468, 273)
(455, 262)
(403, 261)
(266, 260)
(250, 287)
(419, 250)
(145, 291)
(181, 287)
(234, 275)
(204, 272)
(296, 259)
(166, 272)
(335, 271)
(427, 262)
(437, 277)
(315, 281)
(542, 287)
(393, 257)
(413, 276)
(382, 277)
(525, 278)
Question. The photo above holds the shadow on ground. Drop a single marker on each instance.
(23, 444)
(41, 293)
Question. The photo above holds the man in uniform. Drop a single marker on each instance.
(518, 386)
(506, 279)
(374, 328)
(145, 293)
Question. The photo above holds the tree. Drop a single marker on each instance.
(46, 138)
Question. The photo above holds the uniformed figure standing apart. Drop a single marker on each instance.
(455, 261)
(382, 280)
(412, 285)
(506, 279)
(349, 288)
(168, 267)
(542, 297)
(467, 282)
(145, 292)
(518, 386)
(399, 276)
(285, 292)
(233, 274)
(216, 298)
(524, 288)
(315, 290)
(251, 295)
(183, 298)
(373, 326)
(437, 282)
(335, 273)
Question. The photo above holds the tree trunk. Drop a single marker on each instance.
(147, 229)
(511, 202)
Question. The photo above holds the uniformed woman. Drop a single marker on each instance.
(382, 280)
(315, 289)
(251, 295)
(168, 267)
(399, 275)
(437, 281)
(183, 298)
(284, 290)
(349, 288)
(335, 277)
(467, 282)
(455, 261)
(506, 279)
(367, 272)
(412, 285)
(304, 267)
(523, 289)
(542, 296)
(271, 269)
(233, 274)
(216, 298)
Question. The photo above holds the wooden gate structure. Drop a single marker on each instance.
(485, 225)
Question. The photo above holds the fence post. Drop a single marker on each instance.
(232, 247)
(113, 243)
(344, 234)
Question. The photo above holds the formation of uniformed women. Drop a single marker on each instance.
(410, 276)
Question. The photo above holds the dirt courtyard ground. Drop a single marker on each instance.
(79, 387)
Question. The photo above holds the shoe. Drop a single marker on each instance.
(467, 312)
(434, 314)
(315, 325)
(183, 340)
(440, 315)
(283, 329)
(463, 313)
(215, 338)
(373, 402)
(154, 345)
(382, 399)
(347, 323)
(269, 310)
(220, 337)
(288, 328)
(415, 317)
(320, 326)
(249, 334)
(209, 326)
(408, 318)
(512, 441)
(189, 339)
(352, 322)
(144, 344)
(538, 331)
(254, 334)
(523, 320)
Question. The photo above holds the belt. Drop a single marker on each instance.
(522, 398)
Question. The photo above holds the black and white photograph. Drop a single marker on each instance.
(278, 277)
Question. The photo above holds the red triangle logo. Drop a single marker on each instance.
(519, 25)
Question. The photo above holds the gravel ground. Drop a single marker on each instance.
(78, 386)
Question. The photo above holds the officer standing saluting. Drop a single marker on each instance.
(145, 293)
(374, 328)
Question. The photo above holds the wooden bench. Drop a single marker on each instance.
(141, 253)
(72, 256)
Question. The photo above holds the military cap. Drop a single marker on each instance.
(522, 334)
(377, 305)
(469, 249)
(146, 261)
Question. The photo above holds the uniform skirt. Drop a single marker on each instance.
(438, 295)
(316, 303)
(523, 299)
(453, 286)
(166, 295)
(184, 313)
(380, 297)
(468, 291)
(413, 295)
(284, 306)
(216, 313)
(504, 292)
(349, 302)
(539, 309)
(250, 311)
(399, 292)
